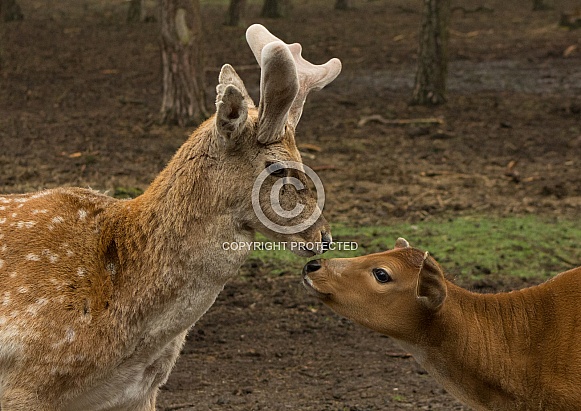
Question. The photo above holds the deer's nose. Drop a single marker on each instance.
(311, 266)
(326, 241)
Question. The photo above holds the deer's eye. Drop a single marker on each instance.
(276, 169)
(381, 275)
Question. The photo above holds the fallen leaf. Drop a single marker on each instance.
(72, 30)
(470, 34)
(569, 50)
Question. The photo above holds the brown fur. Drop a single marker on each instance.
(510, 351)
(97, 294)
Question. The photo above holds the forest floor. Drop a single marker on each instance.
(80, 91)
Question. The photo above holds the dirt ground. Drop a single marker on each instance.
(80, 91)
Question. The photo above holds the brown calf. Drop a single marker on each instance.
(509, 351)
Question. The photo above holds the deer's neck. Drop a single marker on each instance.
(169, 246)
(479, 346)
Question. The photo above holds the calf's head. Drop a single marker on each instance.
(262, 167)
(391, 292)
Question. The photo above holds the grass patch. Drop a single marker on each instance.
(470, 247)
(127, 192)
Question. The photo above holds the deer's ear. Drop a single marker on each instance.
(231, 111)
(232, 103)
(229, 76)
(431, 288)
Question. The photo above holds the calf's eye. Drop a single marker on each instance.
(381, 275)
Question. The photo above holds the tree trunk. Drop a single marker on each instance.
(184, 99)
(235, 12)
(430, 85)
(539, 5)
(136, 12)
(10, 11)
(342, 4)
(275, 8)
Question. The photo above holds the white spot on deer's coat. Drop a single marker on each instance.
(52, 257)
(5, 200)
(3, 320)
(32, 257)
(82, 214)
(13, 274)
(69, 335)
(35, 212)
(6, 298)
(21, 200)
(3, 248)
(56, 220)
(22, 289)
(67, 248)
(1, 264)
(25, 224)
(58, 285)
(33, 309)
(2, 220)
(40, 194)
(14, 215)
(81, 272)
(2, 208)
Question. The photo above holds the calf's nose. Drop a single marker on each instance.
(311, 266)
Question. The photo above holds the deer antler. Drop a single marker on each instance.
(310, 76)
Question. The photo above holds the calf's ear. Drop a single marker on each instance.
(431, 288)
(401, 243)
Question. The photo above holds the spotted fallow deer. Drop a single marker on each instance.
(97, 294)
(516, 351)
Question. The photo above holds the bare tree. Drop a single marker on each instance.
(136, 11)
(184, 99)
(430, 83)
(275, 8)
(235, 12)
(10, 10)
(343, 5)
(539, 5)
